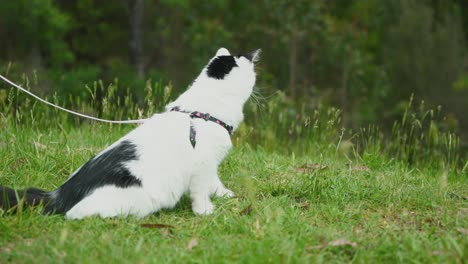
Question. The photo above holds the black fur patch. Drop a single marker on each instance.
(221, 66)
(107, 169)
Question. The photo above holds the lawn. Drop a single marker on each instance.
(289, 208)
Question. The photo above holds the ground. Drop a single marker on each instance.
(288, 208)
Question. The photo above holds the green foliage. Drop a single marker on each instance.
(428, 55)
(334, 67)
(461, 84)
(363, 57)
(29, 28)
(97, 32)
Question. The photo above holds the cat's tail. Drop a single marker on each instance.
(11, 199)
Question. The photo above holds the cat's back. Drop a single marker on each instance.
(164, 129)
(163, 145)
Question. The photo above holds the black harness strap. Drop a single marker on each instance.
(206, 117)
(193, 135)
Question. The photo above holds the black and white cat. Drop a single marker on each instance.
(172, 153)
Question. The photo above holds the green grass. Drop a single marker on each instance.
(289, 208)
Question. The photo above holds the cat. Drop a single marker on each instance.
(172, 153)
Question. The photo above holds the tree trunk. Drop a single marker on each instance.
(344, 98)
(136, 36)
(293, 64)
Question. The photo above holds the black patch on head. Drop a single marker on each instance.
(221, 66)
(107, 169)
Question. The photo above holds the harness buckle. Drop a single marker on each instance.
(206, 116)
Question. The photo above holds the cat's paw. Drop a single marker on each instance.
(205, 208)
(223, 192)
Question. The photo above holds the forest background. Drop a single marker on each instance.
(366, 58)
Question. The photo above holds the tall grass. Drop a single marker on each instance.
(277, 124)
(104, 101)
(420, 137)
(280, 125)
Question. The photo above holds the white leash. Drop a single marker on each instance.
(139, 121)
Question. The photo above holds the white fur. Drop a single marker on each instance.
(168, 165)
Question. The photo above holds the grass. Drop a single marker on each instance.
(307, 190)
(290, 207)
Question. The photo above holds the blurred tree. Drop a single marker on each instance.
(293, 27)
(99, 31)
(32, 31)
(424, 54)
(365, 57)
(136, 36)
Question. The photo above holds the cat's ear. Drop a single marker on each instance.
(254, 56)
(223, 52)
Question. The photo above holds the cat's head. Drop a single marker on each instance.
(222, 87)
(231, 75)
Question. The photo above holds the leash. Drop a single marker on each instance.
(137, 121)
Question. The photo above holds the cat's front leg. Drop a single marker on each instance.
(202, 182)
(201, 204)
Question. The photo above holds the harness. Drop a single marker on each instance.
(206, 117)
